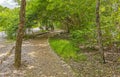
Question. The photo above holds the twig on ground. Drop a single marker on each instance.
(6, 55)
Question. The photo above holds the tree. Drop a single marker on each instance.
(99, 33)
(20, 35)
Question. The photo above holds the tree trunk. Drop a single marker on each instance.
(52, 27)
(99, 33)
(20, 35)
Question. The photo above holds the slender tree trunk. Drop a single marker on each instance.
(99, 33)
(52, 27)
(20, 35)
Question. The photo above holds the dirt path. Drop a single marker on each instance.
(47, 63)
(38, 60)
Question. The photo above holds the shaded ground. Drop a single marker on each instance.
(93, 66)
(38, 60)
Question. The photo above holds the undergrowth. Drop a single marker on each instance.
(66, 49)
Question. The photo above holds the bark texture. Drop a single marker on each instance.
(99, 33)
(20, 35)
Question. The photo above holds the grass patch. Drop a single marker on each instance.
(66, 50)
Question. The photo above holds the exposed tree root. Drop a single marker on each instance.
(6, 55)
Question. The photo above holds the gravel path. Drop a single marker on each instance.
(38, 60)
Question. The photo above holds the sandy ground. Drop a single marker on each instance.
(38, 60)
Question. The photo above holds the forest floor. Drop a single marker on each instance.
(38, 60)
(93, 66)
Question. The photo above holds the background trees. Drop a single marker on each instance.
(76, 17)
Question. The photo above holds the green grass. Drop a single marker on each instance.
(66, 50)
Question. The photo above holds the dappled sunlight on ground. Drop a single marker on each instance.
(30, 67)
(32, 54)
(4, 73)
(2, 55)
(42, 45)
(7, 68)
(37, 61)
(1, 46)
(36, 45)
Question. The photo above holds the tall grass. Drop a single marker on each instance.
(65, 49)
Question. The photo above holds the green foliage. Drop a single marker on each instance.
(1, 29)
(77, 37)
(66, 50)
(83, 37)
(110, 21)
(11, 31)
(9, 21)
(76, 16)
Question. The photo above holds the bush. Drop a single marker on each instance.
(11, 31)
(83, 37)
